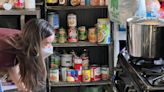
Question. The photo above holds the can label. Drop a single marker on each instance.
(72, 20)
(78, 67)
(106, 2)
(105, 73)
(82, 2)
(87, 75)
(53, 19)
(95, 73)
(64, 73)
(102, 2)
(54, 75)
(71, 75)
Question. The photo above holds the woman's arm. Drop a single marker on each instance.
(15, 77)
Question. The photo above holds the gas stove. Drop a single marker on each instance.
(139, 75)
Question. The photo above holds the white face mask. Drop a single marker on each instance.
(47, 51)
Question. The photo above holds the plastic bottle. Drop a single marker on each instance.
(141, 9)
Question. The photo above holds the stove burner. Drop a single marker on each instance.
(153, 73)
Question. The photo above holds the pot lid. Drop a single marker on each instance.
(146, 21)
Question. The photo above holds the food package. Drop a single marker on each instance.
(152, 8)
(103, 26)
(121, 10)
(95, 2)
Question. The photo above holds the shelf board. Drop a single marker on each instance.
(61, 84)
(74, 7)
(78, 44)
(19, 12)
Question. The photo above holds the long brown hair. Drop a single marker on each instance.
(31, 63)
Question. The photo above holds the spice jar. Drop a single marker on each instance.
(92, 37)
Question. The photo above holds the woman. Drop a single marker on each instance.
(25, 51)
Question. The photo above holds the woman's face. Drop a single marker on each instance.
(47, 42)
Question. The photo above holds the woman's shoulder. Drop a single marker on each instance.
(5, 35)
(8, 32)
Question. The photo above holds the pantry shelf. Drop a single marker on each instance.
(73, 7)
(78, 44)
(20, 12)
(60, 84)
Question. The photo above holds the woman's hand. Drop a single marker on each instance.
(15, 77)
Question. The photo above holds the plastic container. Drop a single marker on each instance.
(30, 4)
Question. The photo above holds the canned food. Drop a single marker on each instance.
(64, 73)
(82, 2)
(71, 75)
(53, 19)
(82, 33)
(54, 75)
(63, 2)
(72, 20)
(95, 2)
(86, 75)
(106, 2)
(105, 72)
(66, 60)
(78, 67)
(55, 61)
(92, 37)
(95, 73)
(72, 34)
(87, 2)
(62, 35)
(102, 2)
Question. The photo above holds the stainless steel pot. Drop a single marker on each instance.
(145, 37)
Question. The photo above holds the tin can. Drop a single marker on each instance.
(86, 75)
(92, 37)
(66, 60)
(64, 73)
(82, 33)
(52, 2)
(72, 20)
(78, 67)
(62, 36)
(71, 75)
(63, 2)
(106, 2)
(82, 2)
(53, 19)
(95, 2)
(54, 75)
(55, 61)
(102, 2)
(72, 34)
(95, 73)
(87, 2)
(105, 72)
